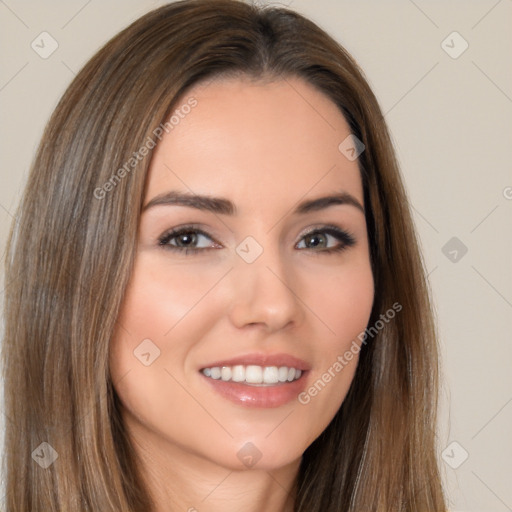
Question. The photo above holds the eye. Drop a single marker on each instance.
(187, 240)
(323, 238)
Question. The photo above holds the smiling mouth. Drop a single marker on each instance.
(253, 375)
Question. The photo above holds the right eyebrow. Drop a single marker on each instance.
(200, 202)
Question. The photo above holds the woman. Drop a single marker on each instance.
(216, 297)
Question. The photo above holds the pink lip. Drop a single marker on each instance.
(248, 395)
(263, 360)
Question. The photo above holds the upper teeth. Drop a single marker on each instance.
(253, 374)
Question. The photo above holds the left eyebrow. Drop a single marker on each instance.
(224, 206)
(320, 203)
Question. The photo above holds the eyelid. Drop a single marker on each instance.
(325, 227)
(174, 232)
(194, 227)
(319, 227)
(344, 237)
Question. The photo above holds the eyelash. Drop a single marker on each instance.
(346, 239)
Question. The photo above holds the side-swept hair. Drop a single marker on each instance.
(70, 256)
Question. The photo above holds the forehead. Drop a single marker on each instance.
(267, 141)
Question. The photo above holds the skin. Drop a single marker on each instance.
(264, 146)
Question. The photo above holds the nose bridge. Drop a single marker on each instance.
(263, 286)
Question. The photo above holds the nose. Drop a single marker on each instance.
(265, 293)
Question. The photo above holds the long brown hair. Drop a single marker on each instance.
(72, 247)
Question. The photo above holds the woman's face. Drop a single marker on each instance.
(260, 279)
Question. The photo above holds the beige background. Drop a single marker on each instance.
(451, 120)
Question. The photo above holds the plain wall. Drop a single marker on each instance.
(451, 119)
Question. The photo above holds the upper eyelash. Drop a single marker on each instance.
(162, 241)
(346, 239)
(343, 236)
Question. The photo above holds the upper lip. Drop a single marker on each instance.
(260, 359)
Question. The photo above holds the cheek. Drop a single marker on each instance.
(159, 298)
(343, 305)
(342, 301)
(352, 304)
(161, 320)
(165, 314)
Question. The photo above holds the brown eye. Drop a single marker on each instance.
(188, 240)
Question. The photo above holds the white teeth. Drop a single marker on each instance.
(270, 375)
(238, 373)
(253, 374)
(283, 374)
(225, 373)
(215, 373)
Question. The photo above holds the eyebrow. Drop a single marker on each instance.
(224, 206)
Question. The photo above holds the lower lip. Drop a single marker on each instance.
(259, 396)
